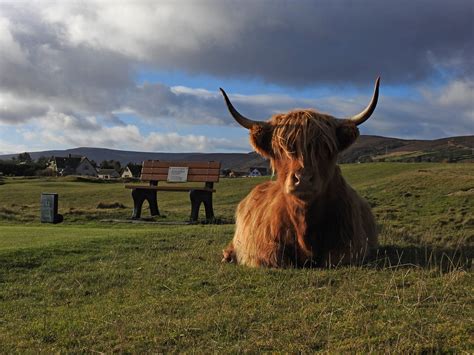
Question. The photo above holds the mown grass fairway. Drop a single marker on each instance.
(87, 285)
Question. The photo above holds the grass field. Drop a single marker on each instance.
(91, 286)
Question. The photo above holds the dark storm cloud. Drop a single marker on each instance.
(49, 68)
(81, 77)
(13, 112)
(77, 60)
(309, 42)
(283, 42)
(68, 46)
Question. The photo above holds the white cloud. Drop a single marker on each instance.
(458, 94)
(188, 143)
(138, 29)
(201, 93)
(16, 110)
(426, 117)
(57, 129)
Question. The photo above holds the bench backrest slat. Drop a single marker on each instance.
(191, 171)
(192, 164)
(154, 170)
(192, 178)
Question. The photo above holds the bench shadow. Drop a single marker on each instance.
(426, 257)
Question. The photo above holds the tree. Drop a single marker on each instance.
(226, 172)
(24, 158)
(110, 164)
(105, 165)
(42, 162)
(116, 165)
(135, 168)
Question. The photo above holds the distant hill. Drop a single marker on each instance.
(366, 149)
(229, 160)
(376, 148)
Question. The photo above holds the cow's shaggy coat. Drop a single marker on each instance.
(308, 215)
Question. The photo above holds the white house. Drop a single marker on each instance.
(126, 173)
(131, 171)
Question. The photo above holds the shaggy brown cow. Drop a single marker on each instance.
(309, 216)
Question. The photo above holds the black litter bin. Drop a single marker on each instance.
(49, 208)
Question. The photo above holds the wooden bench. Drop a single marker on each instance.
(154, 171)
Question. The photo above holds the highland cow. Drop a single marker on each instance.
(309, 215)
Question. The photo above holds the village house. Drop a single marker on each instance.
(126, 173)
(131, 171)
(254, 172)
(72, 165)
(236, 174)
(108, 174)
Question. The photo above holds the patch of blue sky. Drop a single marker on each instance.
(12, 134)
(249, 86)
(207, 82)
(6, 131)
(146, 126)
(228, 132)
(171, 126)
(12, 137)
(243, 85)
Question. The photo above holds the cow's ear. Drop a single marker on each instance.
(261, 140)
(346, 133)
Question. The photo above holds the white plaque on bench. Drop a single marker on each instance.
(177, 174)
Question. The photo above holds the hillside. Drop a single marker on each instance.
(366, 149)
(91, 284)
(375, 148)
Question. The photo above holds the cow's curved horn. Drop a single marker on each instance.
(243, 121)
(364, 115)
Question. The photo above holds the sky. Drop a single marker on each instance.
(145, 75)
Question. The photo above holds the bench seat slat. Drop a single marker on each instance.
(168, 188)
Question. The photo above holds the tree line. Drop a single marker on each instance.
(24, 165)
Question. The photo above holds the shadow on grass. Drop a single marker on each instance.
(162, 220)
(426, 257)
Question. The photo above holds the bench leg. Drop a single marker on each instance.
(197, 197)
(208, 206)
(153, 202)
(139, 196)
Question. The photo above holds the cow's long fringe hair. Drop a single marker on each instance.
(300, 133)
(276, 229)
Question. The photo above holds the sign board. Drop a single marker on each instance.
(177, 174)
(49, 207)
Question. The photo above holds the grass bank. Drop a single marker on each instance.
(87, 286)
